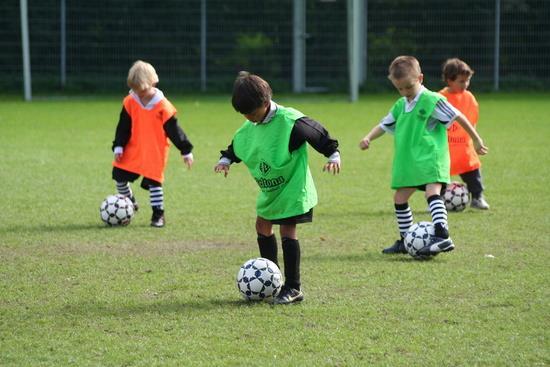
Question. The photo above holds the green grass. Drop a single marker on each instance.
(73, 292)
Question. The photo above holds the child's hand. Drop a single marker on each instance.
(118, 153)
(480, 148)
(188, 160)
(364, 143)
(220, 167)
(332, 167)
(333, 164)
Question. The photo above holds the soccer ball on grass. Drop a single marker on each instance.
(417, 237)
(456, 197)
(259, 279)
(116, 210)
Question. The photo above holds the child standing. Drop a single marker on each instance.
(464, 159)
(271, 143)
(147, 121)
(419, 123)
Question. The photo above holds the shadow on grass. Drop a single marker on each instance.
(159, 307)
(69, 227)
(369, 256)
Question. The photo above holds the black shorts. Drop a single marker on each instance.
(121, 175)
(301, 218)
(423, 187)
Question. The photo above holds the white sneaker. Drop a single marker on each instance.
(479, 203)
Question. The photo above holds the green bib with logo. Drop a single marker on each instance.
(421, 148)
(286, 185)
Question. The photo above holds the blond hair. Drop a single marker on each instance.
(142, 75)
(404, 67)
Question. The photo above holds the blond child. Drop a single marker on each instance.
(419, 122)
(146, 122)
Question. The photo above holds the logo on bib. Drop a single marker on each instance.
(264, 168)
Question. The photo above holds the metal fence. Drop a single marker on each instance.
(199, 45)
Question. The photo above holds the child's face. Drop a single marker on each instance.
(460, 84)
(258, 114)
(144, 93)
(408, 87)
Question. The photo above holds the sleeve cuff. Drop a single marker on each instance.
(225, 161)
(118, 150)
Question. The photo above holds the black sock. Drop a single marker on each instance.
(268, 247)
(291, 256)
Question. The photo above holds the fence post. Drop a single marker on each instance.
(496, 66)
(299, 46)
(25, 49)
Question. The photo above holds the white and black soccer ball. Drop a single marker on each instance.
(456, 197)
(259, 279)
(417, 237)
(116, 210)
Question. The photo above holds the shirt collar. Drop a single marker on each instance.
(156, 99)
(410, 105)
(272, 111)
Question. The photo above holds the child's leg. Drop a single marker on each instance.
(404, 217)
(123, 179)
(438, 210)
(267, 242)
(156, 196)
(291, 255)
(124, 189)
(473, 181)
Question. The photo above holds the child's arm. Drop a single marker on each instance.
(122, 134)
(177, 136)
(308, 130)
(478, 142)
(375, 133)
(228, 157)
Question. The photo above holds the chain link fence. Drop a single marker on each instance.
(198, 45)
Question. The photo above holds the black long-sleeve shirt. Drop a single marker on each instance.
(173, 131)
(304, 130)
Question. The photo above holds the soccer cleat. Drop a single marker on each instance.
(397, 248)
(437, 245)
(479, 203)
(288, 295)
(157, 220)
(136, 206)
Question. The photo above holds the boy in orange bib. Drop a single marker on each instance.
(147, 121)
(464, 159)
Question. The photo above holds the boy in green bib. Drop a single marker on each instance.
(419, 123)
(271, 143)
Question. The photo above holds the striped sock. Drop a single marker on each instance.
(157, 196)
(404, 217)
(124, 189)
(439, 216)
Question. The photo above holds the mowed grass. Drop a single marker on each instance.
(73, 292)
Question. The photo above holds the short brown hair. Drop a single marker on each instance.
(403, 67)
(142, 75)
(250, 92)
(454, 67)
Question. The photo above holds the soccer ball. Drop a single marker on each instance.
(417, 237)
(456, 197)
(259, 279)
(116, 210)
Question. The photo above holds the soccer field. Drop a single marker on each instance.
(74, 292)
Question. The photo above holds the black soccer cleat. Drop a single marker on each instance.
(134, 201)
(157, 220)
(288, 295)
(397, 248)
(437, 245)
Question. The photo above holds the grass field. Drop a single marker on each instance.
(73, 292)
